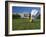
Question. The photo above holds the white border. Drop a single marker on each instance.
(23, 31)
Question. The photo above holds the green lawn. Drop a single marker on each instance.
(24, 24)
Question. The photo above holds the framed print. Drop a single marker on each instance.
(24, 18)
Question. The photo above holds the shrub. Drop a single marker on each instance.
(38, 17)
(16, 16)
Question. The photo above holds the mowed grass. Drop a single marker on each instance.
(24, 24)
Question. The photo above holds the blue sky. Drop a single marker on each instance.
(18, 9)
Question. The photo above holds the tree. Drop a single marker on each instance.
(16, 16)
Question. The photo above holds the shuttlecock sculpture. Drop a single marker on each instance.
(34, 13)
